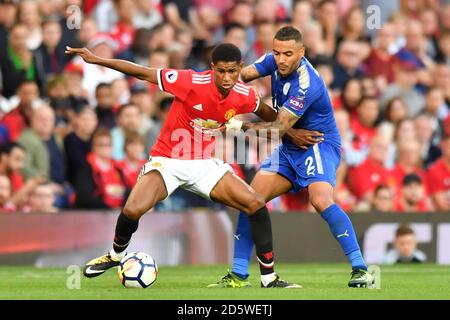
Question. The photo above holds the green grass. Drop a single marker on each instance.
(320, 281)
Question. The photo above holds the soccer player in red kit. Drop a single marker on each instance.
(183, 153)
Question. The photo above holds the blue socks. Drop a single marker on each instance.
(342, 229)
(340, 225)
(243, 246)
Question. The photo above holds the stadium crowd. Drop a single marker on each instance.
(75, 135)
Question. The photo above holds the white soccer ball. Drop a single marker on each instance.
(137, 270)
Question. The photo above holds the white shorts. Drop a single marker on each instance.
(197, 176)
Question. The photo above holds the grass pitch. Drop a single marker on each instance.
(319, 281)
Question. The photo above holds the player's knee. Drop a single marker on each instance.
(255, 204)
(133, 210)
(321, 201)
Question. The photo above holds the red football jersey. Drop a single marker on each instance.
(438, 177)
(197, 108)
(367, 176)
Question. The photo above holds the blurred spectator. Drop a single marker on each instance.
(29, 16)
(140, 96)
(364, 179)
(441, 76)
(12, 161)
(123, 32)
(406, 78)
(77, 144)
(44, 150)
(352, 28)
(147, 14)
(105, 114)
(162, 36)
(120, 92)
(100, 184)
(18, 118)
(406, 131)
(348, 61)
(383, 199)
(380, 63)
(164, 103)
(73, 74)
(180, 52)
(395, 111)
(342, 193)
(301, 14)
(42, 199)
(17, 62)
(328, 18)
(414, 52)
(430, 23)
(352, 155)
(351, 96)
(445, 17)
(425, 130)
(8, 12)
(88, 31)
(315, 46)
(243, 13)
(134, 158)
(128, 122)
(5, 195)
(363, 125)
(435, 105)
(444, 48)
(405, 248)
(50, 57)
(139, 49)
(413, 196)
(57, 90)
(438, 174)
(369, 87)
(102, 46)
(408, 161)
(235, 34)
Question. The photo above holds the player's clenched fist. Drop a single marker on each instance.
(84, 53)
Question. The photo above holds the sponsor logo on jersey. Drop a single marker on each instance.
(296, 103)
(230, 114)
(202, 124)
(172, 76)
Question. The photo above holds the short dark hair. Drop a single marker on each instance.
(233, 25)
(101, 86)
(226, 52)
(7, 148)
(403, 230)
(289, 33)
(411, 179)
(126, 106)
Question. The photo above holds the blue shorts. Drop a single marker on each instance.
(302, 167)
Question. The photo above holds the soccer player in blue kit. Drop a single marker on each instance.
(302, 101)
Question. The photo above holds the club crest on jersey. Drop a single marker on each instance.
(172, 76)
(296, 103)
(286, 88)
(230, 114)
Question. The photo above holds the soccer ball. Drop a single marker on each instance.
(137, 270)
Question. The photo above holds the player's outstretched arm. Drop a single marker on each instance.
(249, 73)
(127, 67)
(284, 121)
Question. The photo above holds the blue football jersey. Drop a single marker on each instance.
(304, 94)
